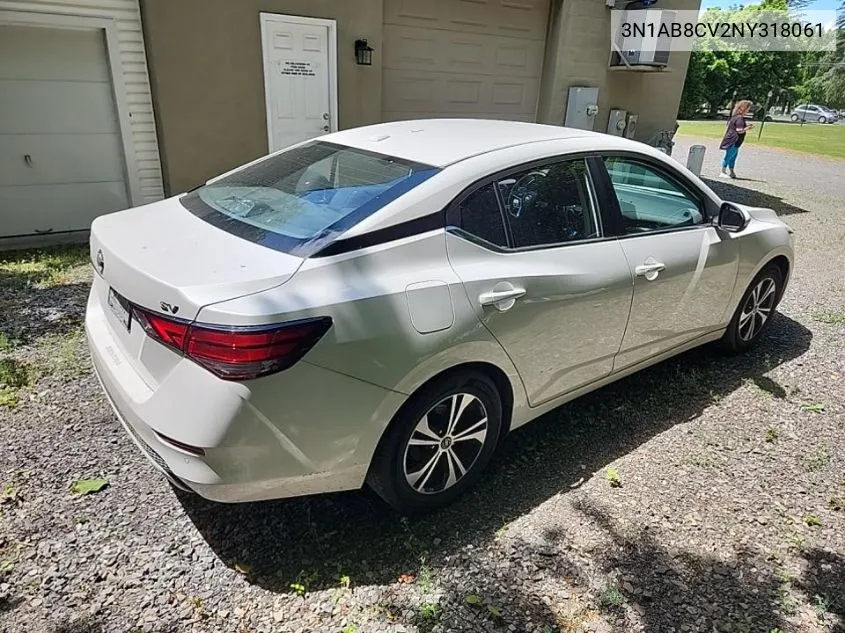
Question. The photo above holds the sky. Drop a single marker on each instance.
(818, 5)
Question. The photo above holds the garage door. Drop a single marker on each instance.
(61, 156)
(463, 58)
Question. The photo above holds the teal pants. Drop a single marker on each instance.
(730, 157)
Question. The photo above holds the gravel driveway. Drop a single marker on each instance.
(730, 515)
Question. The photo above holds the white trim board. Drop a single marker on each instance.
(267, 18)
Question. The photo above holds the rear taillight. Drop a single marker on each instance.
(237, 353)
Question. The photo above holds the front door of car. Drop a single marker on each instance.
(541, 276)
(684, 270)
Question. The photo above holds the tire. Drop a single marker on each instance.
(743, 331)
(794, 118)
(417, 478)
(822, 120)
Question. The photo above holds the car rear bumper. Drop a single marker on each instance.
(267, 439)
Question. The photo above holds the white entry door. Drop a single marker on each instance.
(300, 78)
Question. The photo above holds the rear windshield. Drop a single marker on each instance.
(299, 200)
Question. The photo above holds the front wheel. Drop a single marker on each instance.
(822, 120)
(755, 310)
(439, 444)
(794, 118)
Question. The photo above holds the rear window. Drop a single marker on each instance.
(299, 200)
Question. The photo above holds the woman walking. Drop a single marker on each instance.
(734, 137)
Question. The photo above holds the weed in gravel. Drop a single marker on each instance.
(612, 476)
(837, 504)
(428, 611)
(425, 580)
(5, 342)
(812, 520)
(797, 541)
(9, 398)
(350, 628)
(42, 268)
(813, 407)
(612, 597)
(817, 460)
(15, 375)
(820, 607)
(771, 435)
(63, 354)
(830, 317)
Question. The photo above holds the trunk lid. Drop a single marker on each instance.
(163, 258)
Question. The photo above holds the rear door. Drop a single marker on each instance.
(536, 264)
(684, 270)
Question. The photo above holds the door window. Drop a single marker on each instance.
(482, 218)
(550, 204)
(649, 199)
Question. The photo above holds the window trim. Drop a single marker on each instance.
(705, 205)
(453, 212)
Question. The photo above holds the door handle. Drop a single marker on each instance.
(500, 296)
(649, 270)
(644, 269)
(325, 128)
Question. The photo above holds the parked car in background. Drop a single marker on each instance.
(382, 305)
(814, 113)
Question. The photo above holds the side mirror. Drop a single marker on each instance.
(731, 218)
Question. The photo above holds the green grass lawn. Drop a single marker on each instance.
(812, 138)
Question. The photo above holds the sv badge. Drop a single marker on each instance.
(169, 308)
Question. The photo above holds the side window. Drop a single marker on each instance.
(551, 204)
(649, 199)
(481, 217)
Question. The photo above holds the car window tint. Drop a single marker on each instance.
(481, 216)
(550, 204)
(649, 199)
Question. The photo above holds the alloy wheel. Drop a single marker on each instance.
(445, 443)
(757, 309)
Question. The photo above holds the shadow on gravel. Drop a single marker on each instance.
(314, 541)
(93, 625)
(673, 591)
(28, 310)
(9, 603)
(753, 198)
(824, 583)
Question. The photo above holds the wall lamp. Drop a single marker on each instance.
(363, 53)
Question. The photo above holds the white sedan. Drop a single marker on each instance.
(382, 305)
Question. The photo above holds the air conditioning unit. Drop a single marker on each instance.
(645, 46)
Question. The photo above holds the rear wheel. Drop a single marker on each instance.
(755, 310)
(439, 444)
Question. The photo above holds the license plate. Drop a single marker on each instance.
(120, 309)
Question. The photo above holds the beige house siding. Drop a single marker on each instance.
(577, 54)
(207, 76)
(463, 59)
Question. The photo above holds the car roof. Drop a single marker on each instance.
(442, 142)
